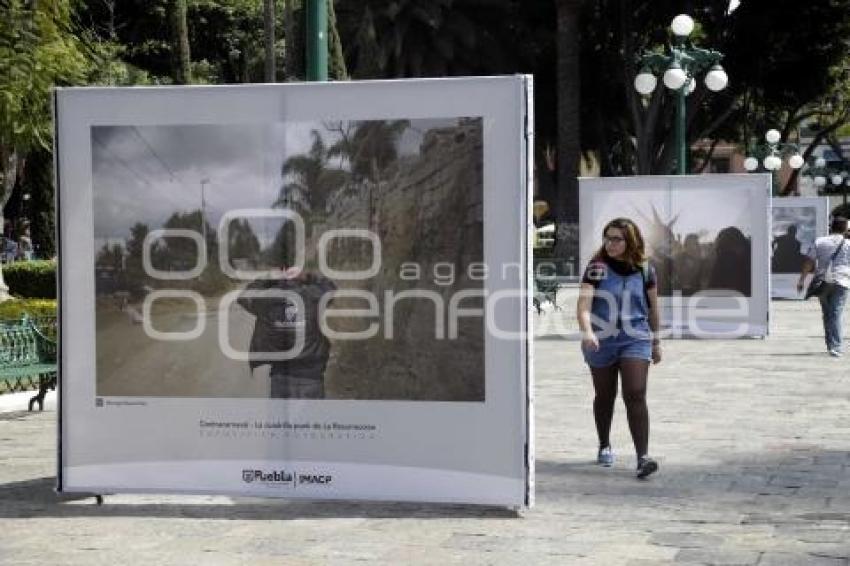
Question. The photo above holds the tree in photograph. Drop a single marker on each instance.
(308, 179)
(183, 252)
(110, 257)
(369, 146)
(136, 277)
(243, 242)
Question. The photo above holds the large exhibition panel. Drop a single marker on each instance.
(301, 290)
(707, 237)
(797, 222)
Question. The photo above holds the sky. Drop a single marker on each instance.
(700, 211)
(145, 173)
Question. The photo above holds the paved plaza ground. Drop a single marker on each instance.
(753, 438)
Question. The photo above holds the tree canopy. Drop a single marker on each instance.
(788, 63)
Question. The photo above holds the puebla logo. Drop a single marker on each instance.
(270, 477)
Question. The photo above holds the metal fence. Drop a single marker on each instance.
(47, 326)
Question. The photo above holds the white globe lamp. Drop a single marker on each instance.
(820, 181)
(645, 82)
(772, 136)
(682, 25)
(772, 163)
(751, 164)
(795, 161)
(820, 162)
(716, 79)
(675, 77)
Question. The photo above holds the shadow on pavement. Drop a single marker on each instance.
(36, 498)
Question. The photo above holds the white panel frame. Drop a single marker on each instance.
(474, 439)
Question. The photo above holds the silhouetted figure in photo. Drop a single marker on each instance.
(689, 267)
(786, 252)
(731, 270)
(278, 322)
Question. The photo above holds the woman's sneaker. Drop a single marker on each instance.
(605, 457)
(646, 466)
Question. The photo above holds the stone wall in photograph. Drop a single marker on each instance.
(427, 211)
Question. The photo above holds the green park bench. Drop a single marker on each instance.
(27, 357)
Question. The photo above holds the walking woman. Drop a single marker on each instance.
(618, 318)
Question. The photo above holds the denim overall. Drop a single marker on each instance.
(619, 317)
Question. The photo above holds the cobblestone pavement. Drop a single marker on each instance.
(753, 438)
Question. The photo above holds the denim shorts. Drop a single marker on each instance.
(617, 347)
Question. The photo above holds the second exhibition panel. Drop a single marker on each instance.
(706, 237)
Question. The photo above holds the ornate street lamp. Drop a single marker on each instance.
(679, 69)
(825, 177)
(770, 155)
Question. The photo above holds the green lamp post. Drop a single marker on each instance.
(679, 68)
(317, 40)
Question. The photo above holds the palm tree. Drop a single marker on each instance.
(310, 180)
(369, 146)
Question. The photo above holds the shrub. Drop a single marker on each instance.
(35, 279)
(34, 308)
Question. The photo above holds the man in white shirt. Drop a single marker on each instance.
(830, 258)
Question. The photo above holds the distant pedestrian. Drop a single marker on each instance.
(618, 316)
(25, 248)
(830, 260)
(9, 250)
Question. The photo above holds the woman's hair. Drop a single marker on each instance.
(635, 249)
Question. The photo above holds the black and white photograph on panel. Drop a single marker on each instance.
(293, 260)
(704, 235)
(796, 223)
(793, 235)
(698, 240)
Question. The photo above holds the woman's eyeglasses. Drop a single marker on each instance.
(613, 239)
